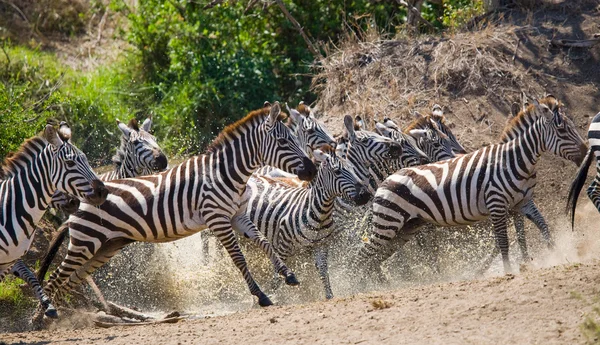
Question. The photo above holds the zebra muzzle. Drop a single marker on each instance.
(307, 171)
(160, 162)
(98, 194)
(362, 196)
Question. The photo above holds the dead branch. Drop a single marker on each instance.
(113, 324)
(574, 43)
(117, 310)
(417, 14)
(310, 45)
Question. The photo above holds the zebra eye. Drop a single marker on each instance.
(70, 163)
(310, 131)
(282, 141)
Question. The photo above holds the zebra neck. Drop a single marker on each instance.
(128, 169)
(530, 145)
(318, 205)
(232, 165)
(26, 195)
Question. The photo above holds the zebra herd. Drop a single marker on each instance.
(284, 186)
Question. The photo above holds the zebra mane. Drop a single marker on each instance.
(420, 123)
(14, 161)
(133, 124)
(255, 116)
(525, 118)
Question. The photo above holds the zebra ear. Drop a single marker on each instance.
(294, 114)
(320, 156)
(349, 124)
(383, 129)
(390, 124)
(515, 109)
(147, 124)
(52, 137)
(126, 130)
(274, 113)
(64, 131)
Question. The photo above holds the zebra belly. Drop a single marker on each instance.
(15, 252)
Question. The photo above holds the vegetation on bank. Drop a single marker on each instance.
(194, 66)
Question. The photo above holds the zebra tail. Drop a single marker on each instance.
(52, 250)
(577, 184)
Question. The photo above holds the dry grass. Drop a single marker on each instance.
(375, 76)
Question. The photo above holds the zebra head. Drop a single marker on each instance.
(139, 150)
(561, 137)
(431, 140)
(411, 153)
(336, 177)
(280, 148)
(437, 116)
(310, 132)
(364, 148)
(70, 171)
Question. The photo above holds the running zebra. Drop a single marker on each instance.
(486, 183)
(593, 190)
(202, 192)
(138, 155)
(311, 135)
(43, 164)
(294, 217)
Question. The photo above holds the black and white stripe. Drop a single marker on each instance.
(43, 164)
(486, 183)
(292, 217)
(202, 192)
(593, 190)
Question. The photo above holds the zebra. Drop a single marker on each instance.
(138, 154)
(292, 217)
(486, 183)
(426, 133)
(593, 190)
(43, 164)
(311, 135)
(202, 192)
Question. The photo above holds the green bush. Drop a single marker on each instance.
(34, 87)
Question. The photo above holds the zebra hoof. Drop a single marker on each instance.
(264, 300)
(51, 312)
(291, 280)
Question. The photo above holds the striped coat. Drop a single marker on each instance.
(202, 192)
(486, 183)
(43, 164)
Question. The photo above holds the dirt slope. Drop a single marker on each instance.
(538, 307)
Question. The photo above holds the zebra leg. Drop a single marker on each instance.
(244, 225)
(519, 221)
(499, 220)
(321, 253)
(222, 228)
(21, 270)
(530, 210)
(79, 264)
